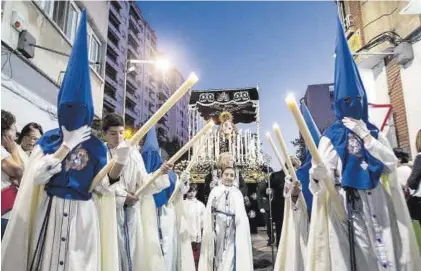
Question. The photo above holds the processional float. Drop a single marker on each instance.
(236, 112)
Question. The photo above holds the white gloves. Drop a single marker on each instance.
(252, 214)
(288, 181)
(73, 138)
(357, 126)
(319, 172)
(295, 189)
(185, 176)
(46, 168)
(122, 153)
(262, 211)
(185, 186)
(268, 191)
(291, 189)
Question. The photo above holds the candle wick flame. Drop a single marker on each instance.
(193, 76)
(290, 97)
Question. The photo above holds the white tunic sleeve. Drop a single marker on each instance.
(382, 152)
(143, 177)
(330, 159)
(120, 193)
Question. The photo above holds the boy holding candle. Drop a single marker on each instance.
(138, 242)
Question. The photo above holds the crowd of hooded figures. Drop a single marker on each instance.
(63, 218)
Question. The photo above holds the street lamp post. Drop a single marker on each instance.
(162, 64)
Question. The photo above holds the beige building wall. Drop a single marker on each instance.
(402, 87)
(382, 16)
(411, 82)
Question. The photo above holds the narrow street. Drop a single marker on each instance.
(262, 254)
(154, 135)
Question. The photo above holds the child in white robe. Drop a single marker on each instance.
(292, 246)
(226, 243)
(195, 210)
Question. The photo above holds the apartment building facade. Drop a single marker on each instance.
(31, 76)
(393, 29)
(178, 115)
(130, 37)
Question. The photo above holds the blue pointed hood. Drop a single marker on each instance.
(74, 103)
(153, 160)
(311, 124)
(348, 83)
(151, 147)
(360, 170)
(303, 172)
(150, 151)
(75, 106)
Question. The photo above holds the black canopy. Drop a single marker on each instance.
(241, 103)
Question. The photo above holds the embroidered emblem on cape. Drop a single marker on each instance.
(354, 146)
(77, 159)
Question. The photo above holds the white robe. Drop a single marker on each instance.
(232, 238)
(176, 246)
(196, 213)
(23, 155)
(292, 246)
(383, 234)
(81, 235)
(138, 241)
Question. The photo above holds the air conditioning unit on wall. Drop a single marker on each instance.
(404, 53)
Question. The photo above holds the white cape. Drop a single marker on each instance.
(244, 258)
(177, 248)
(292, 245)
(137, 224)
(19, 235)
(328, 246)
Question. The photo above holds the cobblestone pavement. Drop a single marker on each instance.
(262, 254)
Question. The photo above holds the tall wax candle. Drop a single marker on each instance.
(178, 155)
(277, 154)
(284, 150)
(183, 89)
(305, 133)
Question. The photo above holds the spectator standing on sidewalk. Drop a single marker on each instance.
(11, 166)
(403, 170)
(29, 135)
(414, 202)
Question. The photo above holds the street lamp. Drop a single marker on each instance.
(161, 64)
